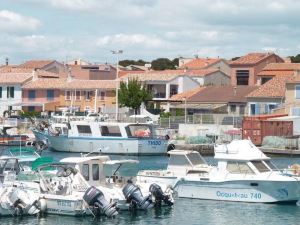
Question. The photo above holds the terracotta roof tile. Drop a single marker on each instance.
(200, 63)
(276, 73)
(63, 83)
(36, 64)
(166, 75)
(274, 88)
(251, 59)
(293, 79)
(222, 94)
(282, 66)
(186, 94)
(14, 78)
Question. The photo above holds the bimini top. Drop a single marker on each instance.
(242, 150)
(101, 158)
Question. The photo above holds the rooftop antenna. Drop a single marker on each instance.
(6, 61)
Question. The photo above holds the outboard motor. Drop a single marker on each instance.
(159, 195)
(94, 197)
(134, 196)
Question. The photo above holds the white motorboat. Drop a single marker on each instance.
(102, 137)
(243, 173)
(61, 189)
(124, 191)
(15, 201)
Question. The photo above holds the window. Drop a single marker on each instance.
(260, 166)
(297, 90)
(68, 95)
(95, 172)
(238, 168)
(84, 129)
(88, 95)
(86, 172)
(31, 94)
(178, 160)
(102, 95)
(31, 108)
(0, 92)
(77, 95)
(110, 131)
(10, 92)
(50, 95)
(195, 159)
(242, 77)
(295, 111)
(254, 109)
(242, 109)
(232, 108)
(265, 80)
(271, 165)
(138, 130)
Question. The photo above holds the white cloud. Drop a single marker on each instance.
(14, 22)
(124, 40)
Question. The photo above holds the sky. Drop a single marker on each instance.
(146, 29)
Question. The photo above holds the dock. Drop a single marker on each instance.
(280, 151)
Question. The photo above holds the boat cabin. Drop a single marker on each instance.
(104, 129)
(92, 167)
(242, 157)
(186, 162)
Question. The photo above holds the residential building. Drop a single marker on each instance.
(48, 94)
(267, 97)
(93, 72)
(226, 99)
(292, 96)
(46, 65)
(164, 84)
(205, 64)
(78, 61)
(277, 69)
(245, 69)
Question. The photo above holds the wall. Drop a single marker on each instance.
(40, 96)
(4, 101)
(196, 129)
(222, 66)
(217, 78)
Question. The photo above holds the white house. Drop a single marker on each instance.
(11, 90)
(164, 84)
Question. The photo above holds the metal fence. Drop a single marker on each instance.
(217, 119)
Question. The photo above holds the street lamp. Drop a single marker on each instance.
(117, 52)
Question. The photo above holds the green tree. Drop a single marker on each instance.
(133, 94)
(295, 59)
(128, 62)
(163, 64)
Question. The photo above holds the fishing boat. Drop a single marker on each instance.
(126, 192)
(102, 137)
(243, 173)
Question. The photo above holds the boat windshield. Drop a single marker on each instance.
(139, 130)
(195, 158)
(179, 160)
(260, 166)
(239, 168)
(271, 165)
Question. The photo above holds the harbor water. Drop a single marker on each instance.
(185, 211)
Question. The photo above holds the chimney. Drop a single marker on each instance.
(234, 91)
(34, 74)
(6, 61)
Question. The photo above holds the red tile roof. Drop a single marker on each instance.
(275, 73)
(200, 63)
(63, 83)
(36, 64)
(14, 78)
(186, 94)
(282, 66)
(274, 88)
(251, 59)
(222, 94)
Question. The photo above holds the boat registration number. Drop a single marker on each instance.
(156, 142)
(251, 195)
(64, 203)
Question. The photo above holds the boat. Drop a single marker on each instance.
(102, 137)
(243, 174)
(126, 192)
(61, 190)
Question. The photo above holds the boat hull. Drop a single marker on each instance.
(128, 146)
(240, 191)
